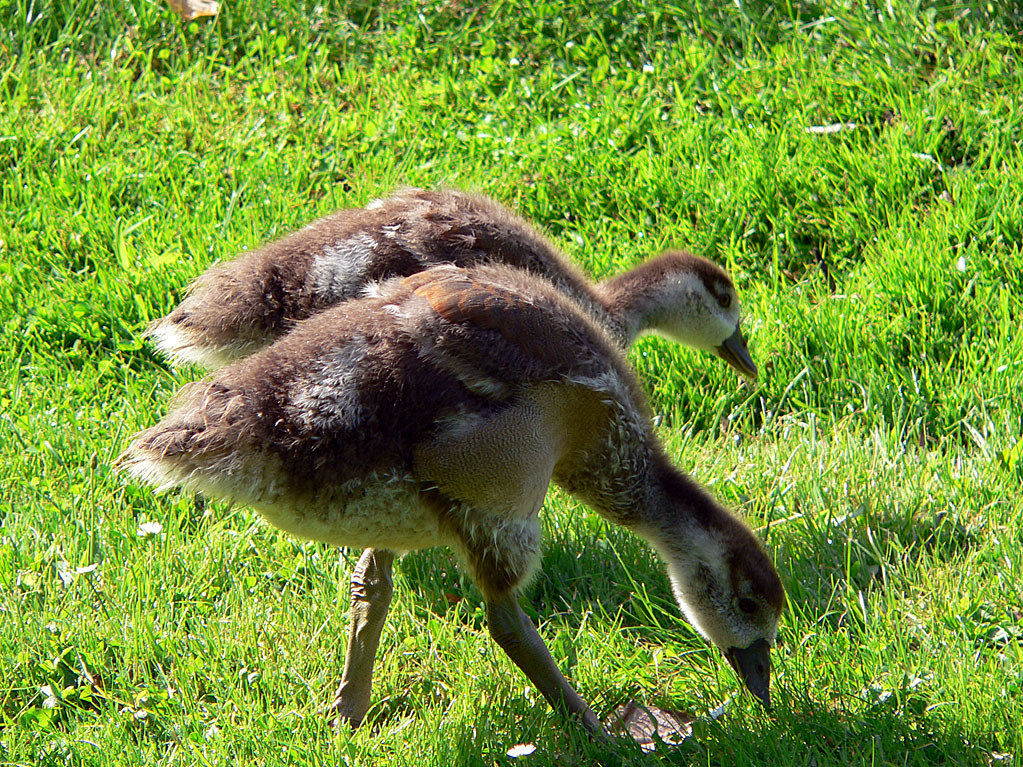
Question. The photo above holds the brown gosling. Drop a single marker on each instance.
(437, 412)
(240, 306)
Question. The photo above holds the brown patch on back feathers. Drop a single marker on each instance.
(244, 303)
(419, 354)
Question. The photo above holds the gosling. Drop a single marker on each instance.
(240, 306)
(437, 412)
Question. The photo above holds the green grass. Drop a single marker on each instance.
(882, 277)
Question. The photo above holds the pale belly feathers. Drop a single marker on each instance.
(383, 513)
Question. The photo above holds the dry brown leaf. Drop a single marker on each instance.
(648, 724)
(193, 9)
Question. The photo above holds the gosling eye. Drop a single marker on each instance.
(725, 300)
(747, 605)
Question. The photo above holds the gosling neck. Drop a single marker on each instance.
(653, 297)
(708, 553)
(680, 513)
(628, 304)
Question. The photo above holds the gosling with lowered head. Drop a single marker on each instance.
(436, 412)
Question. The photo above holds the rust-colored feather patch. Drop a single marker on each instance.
(463, 301)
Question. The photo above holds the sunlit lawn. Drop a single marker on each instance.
(858, 172)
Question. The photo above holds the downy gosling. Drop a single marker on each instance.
(436, 412)
(240, 306)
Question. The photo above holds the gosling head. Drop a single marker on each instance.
(686, 299)
(735, 600)
(723, 580)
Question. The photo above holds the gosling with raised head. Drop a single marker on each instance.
(237, 307)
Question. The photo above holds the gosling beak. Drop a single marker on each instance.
(753, 666)
(735, 353)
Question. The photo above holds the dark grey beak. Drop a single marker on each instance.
(735, 352)
(753, 665)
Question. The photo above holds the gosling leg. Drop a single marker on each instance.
(512, 629)
(372, 588)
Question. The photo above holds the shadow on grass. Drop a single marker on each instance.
(807, 732)
(603, 569)
(610, 571)
(799, 732)
(867, 552)
(585, 569)
(592, 567)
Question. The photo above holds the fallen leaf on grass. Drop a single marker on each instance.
(648, 724)
(193, 9)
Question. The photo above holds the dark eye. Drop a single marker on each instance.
(748, 606)
(725, 300)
